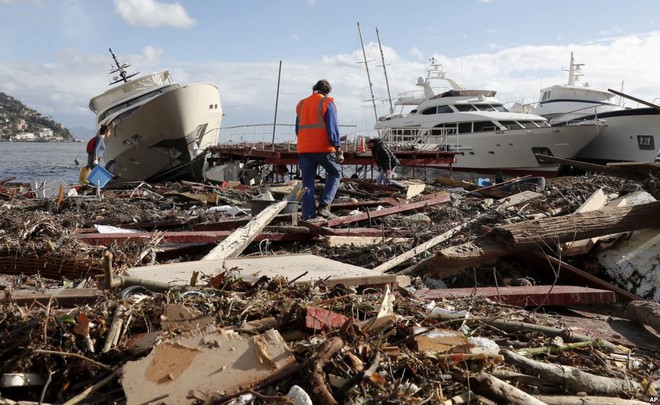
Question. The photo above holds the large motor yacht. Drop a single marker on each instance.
(631, 134)
(160, 129)
(473, 122)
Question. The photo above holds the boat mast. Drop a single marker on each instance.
(387, 83)
(371, 86)
(123, 76)
(574, 72)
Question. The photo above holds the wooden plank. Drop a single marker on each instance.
(438, 198)
(517, 199)
(422, 247)
(235, 243)
(302, 268)
(526, 296)
(596, 201)
(107, 239)
(63, 297)
(359, 241)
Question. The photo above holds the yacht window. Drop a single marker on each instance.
(444, 109)
(546, 95)
(485, 107)
(510, 124)
(528, 124)
(500, 107)
(444, 129)
(484, 126)
(465, 107)
(464, 127)
(429, 111)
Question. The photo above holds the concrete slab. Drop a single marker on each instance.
(302, 268)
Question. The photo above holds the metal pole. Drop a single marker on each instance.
(277, 98)
(382, 57)
(366, 65)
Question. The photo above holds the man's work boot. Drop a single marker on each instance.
(324, 211)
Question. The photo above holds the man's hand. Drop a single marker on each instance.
(339, 156)
(388, 174)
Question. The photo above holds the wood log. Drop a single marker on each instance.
(571, 400)
(644, 312)
(574, 379)
(500, 391)
(513, 238)
(580, 225)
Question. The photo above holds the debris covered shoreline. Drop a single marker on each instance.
(79, 318)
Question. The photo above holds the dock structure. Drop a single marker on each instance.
(284, 154)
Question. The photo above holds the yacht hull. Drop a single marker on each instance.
(630, 135)
(513, 151)
(165, 137)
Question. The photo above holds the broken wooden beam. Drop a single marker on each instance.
(108, 239)
(63, 297)
(526, 296)
(438, 198)
(575, 274)
(422, 247)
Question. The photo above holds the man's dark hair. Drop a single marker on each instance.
(322, 86)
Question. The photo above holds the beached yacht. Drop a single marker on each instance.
(632, 134)
(160, 129)
(475, 123)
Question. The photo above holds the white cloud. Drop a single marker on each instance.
(516, 74)
(153, 13)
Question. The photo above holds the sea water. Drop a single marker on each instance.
(53, 162)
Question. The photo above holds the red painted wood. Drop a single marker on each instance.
(320, 319)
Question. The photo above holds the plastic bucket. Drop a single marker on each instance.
(99, 176)
(256, 206)
(84, 173)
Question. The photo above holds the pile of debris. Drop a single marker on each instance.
(528, 291)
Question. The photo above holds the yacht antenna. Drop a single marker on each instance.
(123, 76)
(574, 72)
(371, 86)
(387, 83)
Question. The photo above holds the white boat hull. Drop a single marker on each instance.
(513, 151)
(165, 133)
(629, 136)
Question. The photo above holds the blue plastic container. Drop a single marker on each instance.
(99, 176)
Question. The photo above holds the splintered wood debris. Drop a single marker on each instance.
(295, 312)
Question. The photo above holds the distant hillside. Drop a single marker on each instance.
(21, 123)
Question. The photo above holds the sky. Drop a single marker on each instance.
(54, 54)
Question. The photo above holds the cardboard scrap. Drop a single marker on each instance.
(203, 365)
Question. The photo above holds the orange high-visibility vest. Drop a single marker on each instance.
(312, 134)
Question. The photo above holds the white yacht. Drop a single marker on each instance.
(632, 134)
(160, 129)
(475, 123)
